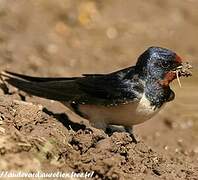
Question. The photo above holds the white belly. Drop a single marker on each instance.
(124, 114)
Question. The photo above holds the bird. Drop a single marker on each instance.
(122, 98)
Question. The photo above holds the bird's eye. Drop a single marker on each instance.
(165, 64)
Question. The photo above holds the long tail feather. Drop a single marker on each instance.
(36, 79)
(61, 89)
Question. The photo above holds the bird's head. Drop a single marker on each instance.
(161, 65)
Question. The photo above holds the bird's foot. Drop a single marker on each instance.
(113, 128)
(130, 131)
(133, 138)
(88, 130)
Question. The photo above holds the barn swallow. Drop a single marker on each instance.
(126, 97)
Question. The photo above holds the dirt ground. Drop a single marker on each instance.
(72, 37)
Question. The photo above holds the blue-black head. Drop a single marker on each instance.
(158, 63)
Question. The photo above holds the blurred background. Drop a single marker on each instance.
(71, 37)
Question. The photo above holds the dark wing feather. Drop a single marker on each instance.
(103, 89)
(113, 88)
(122, 73)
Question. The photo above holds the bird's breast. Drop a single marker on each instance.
(124, 114)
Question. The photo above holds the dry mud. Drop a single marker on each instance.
(72, 37)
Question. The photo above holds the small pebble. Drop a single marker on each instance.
(111, 33)
(176, 150)
(166, 147)
(2, 130)
(52, 48)
(195, 150)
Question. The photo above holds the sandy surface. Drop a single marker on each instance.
(71, 37)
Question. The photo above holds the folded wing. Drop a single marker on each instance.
(91, 89)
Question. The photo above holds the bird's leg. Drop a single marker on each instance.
(114, 128)
(130, 131)
(3, 86)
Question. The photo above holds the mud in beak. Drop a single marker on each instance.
(183, 70)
